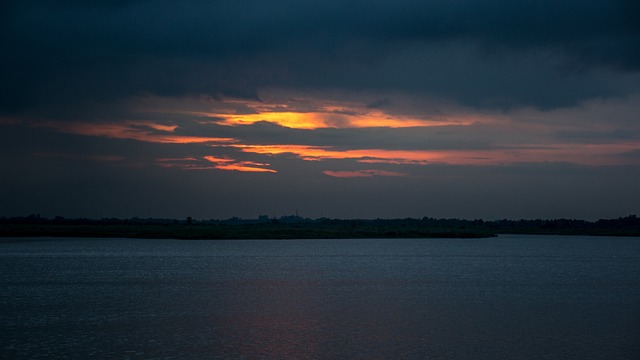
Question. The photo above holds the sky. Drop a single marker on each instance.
(342, 109)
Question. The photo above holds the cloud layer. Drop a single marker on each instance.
(359, 109)
(64, 57)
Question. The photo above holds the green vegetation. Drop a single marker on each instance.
(294, 227)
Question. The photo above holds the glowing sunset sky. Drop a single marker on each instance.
(388, 109)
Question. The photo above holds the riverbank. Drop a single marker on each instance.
(235, 231)
(294, 227)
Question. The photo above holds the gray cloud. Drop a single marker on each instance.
(67, 55)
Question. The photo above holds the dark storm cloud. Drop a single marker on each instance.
(67, 58)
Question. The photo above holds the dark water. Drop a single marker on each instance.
(512, 297)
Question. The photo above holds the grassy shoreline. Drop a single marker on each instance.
(226, 231)
(295, 227)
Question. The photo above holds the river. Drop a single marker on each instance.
(510, 297)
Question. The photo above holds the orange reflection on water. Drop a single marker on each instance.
(278, 319)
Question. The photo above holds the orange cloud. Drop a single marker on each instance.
(585, 154)
(246, 166)
(327, 119)
(216, 160)
(188, 163)
(286, 119)
(230, 164)
(214, 163)
(315, 114)
(134, 130)
(417, 157)
(155, 126)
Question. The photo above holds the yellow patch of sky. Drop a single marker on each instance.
(319, 120)
(310, 114)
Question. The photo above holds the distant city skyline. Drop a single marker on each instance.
(380, 109)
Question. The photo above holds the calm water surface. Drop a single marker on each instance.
(511, 297)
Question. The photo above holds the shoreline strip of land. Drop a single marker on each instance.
(301, 228)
